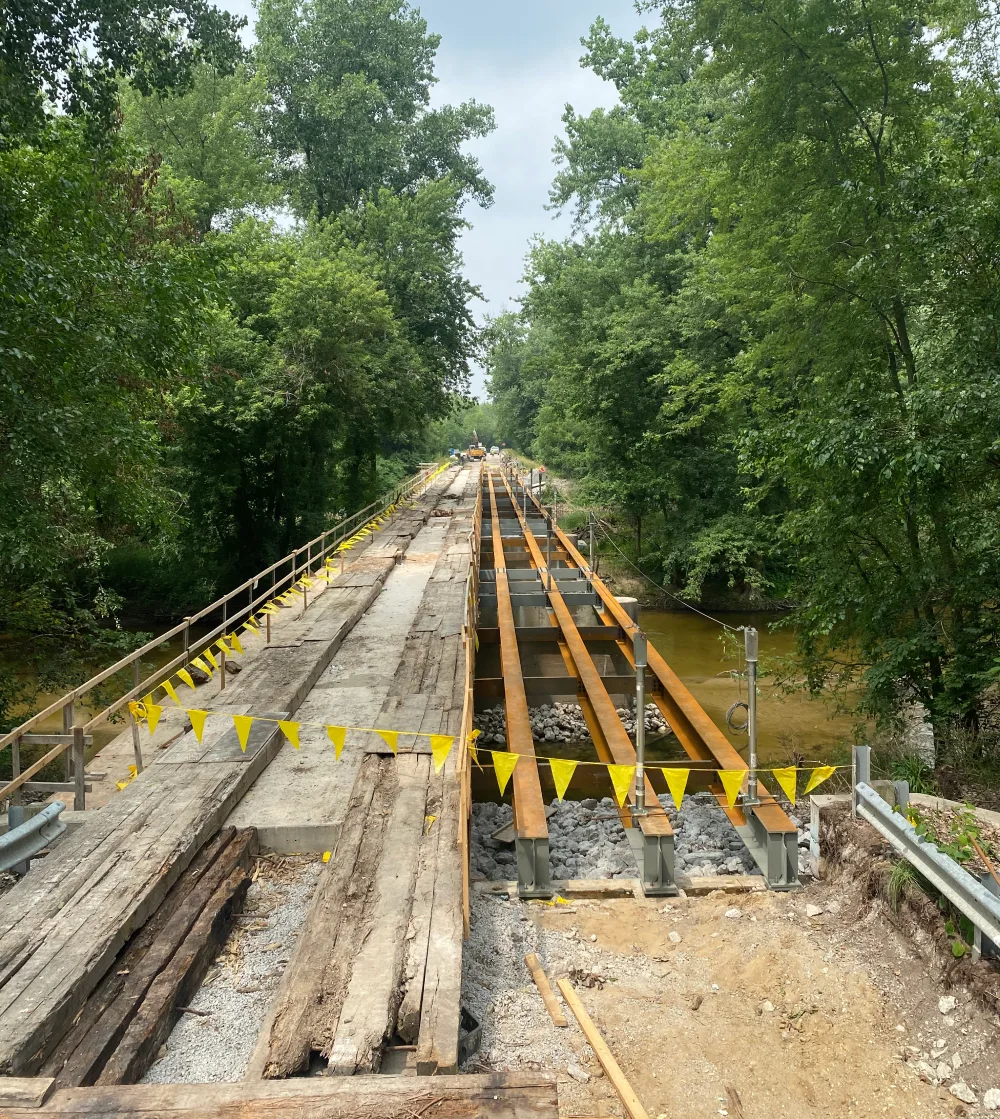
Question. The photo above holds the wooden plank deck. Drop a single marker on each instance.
(356, 970)
(62, 927)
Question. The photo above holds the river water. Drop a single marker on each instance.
(786, 724)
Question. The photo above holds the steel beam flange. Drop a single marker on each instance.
(533, 879)
(775, 853)
(658, 866)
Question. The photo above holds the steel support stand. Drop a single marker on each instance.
(750, 637)
(533, 868)
(639, 651)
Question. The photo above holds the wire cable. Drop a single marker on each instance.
(652, 582)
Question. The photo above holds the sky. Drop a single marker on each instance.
(523, 58)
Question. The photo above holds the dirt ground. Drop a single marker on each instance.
(744, 1006)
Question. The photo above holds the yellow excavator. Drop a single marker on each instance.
(476, 449)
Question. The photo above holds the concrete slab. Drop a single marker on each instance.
(308, 789)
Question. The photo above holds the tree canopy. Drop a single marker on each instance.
(773, 335)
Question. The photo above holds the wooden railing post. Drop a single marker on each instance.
(15, 768)
(136, 748)
(79, 777)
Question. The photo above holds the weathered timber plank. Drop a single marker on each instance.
(178, 982)
(368, 1016)
(24, 1091)
(285, 1040)
(85, 1045)
(437, 1042)
(495, 1096)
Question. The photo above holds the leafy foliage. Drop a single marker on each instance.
(774, 336)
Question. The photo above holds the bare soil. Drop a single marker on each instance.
(768, 1013)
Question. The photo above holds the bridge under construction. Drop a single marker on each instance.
(327, 709)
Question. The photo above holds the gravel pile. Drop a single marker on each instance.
(560, 722)
(587, 840)
(216, 1046)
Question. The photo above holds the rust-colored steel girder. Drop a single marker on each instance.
(610, 737)
(700, 738)
(529, 807)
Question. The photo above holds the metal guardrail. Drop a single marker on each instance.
(25, 841)
(965, 892)
(273, 578)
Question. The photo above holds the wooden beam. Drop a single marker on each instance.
(612, 1069)
(542, 983)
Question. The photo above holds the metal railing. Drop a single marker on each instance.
(19, 845)
(966, 893)
(274, 578)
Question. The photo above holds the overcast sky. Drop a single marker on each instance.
(523, 58)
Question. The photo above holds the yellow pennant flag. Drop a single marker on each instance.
(269, 608)
(621, 778)
(133, 772)
(818, 776)
(223, 647)
(243, 723)
(153, 713)
(236, 643)
(203, 665)
(121, 785)
(562, 774)
(503, 766)
(290, 731)
(785, 776)
(185, 676)
(251, 624)
(677, 780)
(441, 745)
(210, 657)
(169, 689)
(390, 738)
(198, 722)
(337, 736)
(134, 709)
(732, 781)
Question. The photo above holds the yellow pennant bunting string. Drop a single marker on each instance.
(503, 767)
(732, 780)
(676, 780)
(203, 665)
(153, 713)
(236, 643)
(785, 776)
(562, 774)
(210, 657)
(169, 689)
(819, 775)
(337, 735)
(621, 779)
(390, 738)
(198, 718)
(185, 677)
(290, 731)
(243, 723)
(441, 745)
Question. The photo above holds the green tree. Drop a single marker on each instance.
(215, 162)
(349, 85)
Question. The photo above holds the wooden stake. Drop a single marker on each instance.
(611, 1067)
(542, 983)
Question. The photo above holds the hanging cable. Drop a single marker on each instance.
(653, 583)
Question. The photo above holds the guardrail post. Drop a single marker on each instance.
(136, 748)
(861, 775)
(902, 789)
(79, 794)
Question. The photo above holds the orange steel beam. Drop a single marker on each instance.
(698, 735)
(529, 808)
(615, 737)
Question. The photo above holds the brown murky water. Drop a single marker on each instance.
(693, 648)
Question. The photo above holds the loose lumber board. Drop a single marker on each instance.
(612, 1069)
(24, 1091)
(64, 924)
(495, 1096)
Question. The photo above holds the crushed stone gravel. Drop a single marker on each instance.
(216, 1047)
